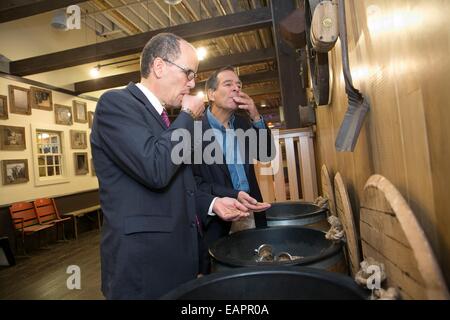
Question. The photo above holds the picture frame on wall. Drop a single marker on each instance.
(12, 138)
(81, 163)
(41, 99)
(63, 115)
(15, 171)
(80, 111)
(3, 107)
(90, 118)
(19, 100)
(78, 139)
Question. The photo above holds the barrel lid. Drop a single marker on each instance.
(327, 189)
(345, 215)
(291, 210)
(391, 234)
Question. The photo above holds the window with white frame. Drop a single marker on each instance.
(49, 153)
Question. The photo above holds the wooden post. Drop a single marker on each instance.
(289, 65)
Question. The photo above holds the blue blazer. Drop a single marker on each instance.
(149, 241)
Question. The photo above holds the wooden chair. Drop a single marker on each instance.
(25, 221)
(47, 213)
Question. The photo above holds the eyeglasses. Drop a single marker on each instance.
(190, 74)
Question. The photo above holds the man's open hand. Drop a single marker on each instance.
(230, 209)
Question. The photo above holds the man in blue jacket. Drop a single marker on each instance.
(239, 140)
(151, 206)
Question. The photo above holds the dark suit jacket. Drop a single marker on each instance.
(216, 180)
(149, 238)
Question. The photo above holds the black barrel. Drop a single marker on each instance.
(238, 249)
(274, 283)
(297, 213)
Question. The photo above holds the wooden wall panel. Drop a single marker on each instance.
(399, 59)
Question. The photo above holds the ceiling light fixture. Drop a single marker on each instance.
(201, 53)
(200, 94)
(95, 71)
(172, 2)
(59, 20)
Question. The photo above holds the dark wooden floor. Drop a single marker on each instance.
(43, 275)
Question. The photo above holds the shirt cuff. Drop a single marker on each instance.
(260, 123)
(210, 213)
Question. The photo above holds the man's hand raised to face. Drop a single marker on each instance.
(194, 104)
(246, 103)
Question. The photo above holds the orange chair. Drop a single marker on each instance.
(25, 221)
(47, 213)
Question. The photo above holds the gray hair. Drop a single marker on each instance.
(163, 45)
(212, 83)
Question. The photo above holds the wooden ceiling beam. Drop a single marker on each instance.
(238, 59)
(289, 65)
(254, 91)
(200, 30)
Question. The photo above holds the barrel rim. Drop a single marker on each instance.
(319, 210)
(333, 249)
(327, 276)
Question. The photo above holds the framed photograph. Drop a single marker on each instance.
(90, 118)
(3, 107)
(12, 138)
(78, 139)
(79, 111)
(15, 171)
(81, 163)
(63, 115)
(19, 100)
(94, 174)
(41, 99)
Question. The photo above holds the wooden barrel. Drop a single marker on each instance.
(274, 283)
(297, 213)
(309, 247)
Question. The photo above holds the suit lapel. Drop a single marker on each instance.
(139, 95)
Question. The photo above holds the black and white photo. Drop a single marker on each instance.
(19, 99)
(81, 163)
(12, 138)
(41, 99)
(78, 139)
(15, 171)
(80, 111)
(63, 115)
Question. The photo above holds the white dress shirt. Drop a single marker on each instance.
(151, 97)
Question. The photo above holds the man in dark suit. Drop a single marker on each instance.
(151, 205)
(234, 176)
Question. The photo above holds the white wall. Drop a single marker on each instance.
(34, 36)
(29, 191)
